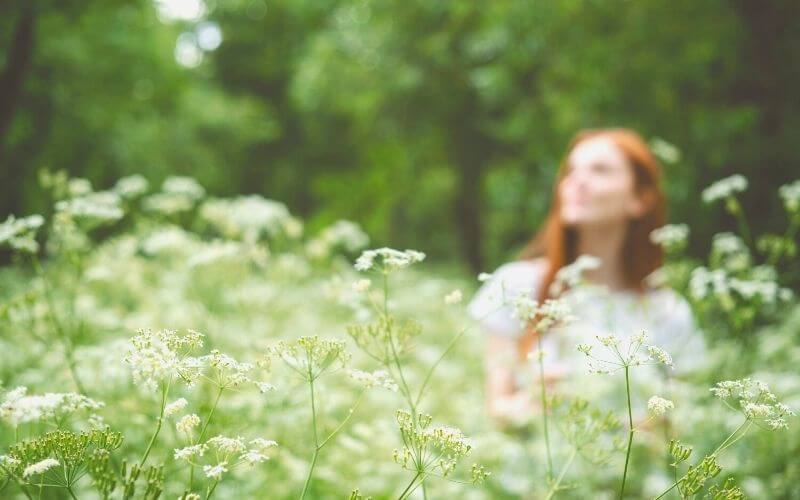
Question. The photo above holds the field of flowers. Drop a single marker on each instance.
(159, 342)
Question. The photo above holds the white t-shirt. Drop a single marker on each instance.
(663, 314)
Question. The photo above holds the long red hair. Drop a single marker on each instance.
(557, 243)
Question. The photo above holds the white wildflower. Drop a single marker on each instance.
(19, 408)
(724, 188)
(40, 467)
(20, 234)
(175, 407)
(189, 452)
(790, 194)
(379, 378)
(391, 259)
(671, 237)
(573, 274)
(226, 445)
(187, 423)
(668, 153)
(484, 277)
(659, 355)
(132, 186)
(215, 471)
(263, 444)
(659, 406)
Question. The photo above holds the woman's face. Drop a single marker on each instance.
(598, 185)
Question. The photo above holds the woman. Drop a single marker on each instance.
(607, 200)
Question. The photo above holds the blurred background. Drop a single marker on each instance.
(434, 125)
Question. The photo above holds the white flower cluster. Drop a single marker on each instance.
(634, 352)
(156, 356)
(249, 217)
(187, 424)
(721, 285)
(390, 259)
(571, 275)
(541, 316)
(724, 188)
(19, 408)
(176, 406)
(20, 234)
(131, 187)
(668, 153)
(93, 208)
(447, 444)
(230, 452)
(378, 378)
(790, 194)
(659, 406)
(178, 194)
(342, 234)
(756, 401)
(671, 237)
(230, 373)
(40, 467)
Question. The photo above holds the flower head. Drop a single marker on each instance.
(659, 406)
(724, 188)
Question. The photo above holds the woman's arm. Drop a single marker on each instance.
(504, 401)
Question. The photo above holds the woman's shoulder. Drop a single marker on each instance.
(521, 272)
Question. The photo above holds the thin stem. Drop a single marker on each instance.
(727, 443)
(71, 493)
(159, 422)
(630, 431)
(543, 396)
(735, 207)
(59, 328)
(211, 490)
(344, 422)
(203, 431)
(563, 473)
(316, 436)
(408, 488)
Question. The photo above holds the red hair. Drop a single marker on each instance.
(557, 243)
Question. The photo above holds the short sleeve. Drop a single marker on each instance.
(490, 306)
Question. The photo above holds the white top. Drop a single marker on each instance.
(663, 314)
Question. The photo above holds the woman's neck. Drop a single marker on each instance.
(604, 242)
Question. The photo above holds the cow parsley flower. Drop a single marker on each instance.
(724, 188)
(40, 467)
(790, 194)
(20, 234)
(190, 452)
(187, 423)
(379, 378)
(215, 471)
(19, 408)
(389, 259)
(131, 187)
(672, 237)
(175, 407)
(755, 401)
(659, 406)
(572, 274)
(156, 356)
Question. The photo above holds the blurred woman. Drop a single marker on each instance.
(607, 200)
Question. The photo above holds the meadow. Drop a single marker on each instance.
(159, 342)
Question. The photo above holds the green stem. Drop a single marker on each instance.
(736, 208)
(630, 431)
(543, 396)
(158, 424)
(727, 443)
(563, 473)
(211, 490)
(71, 493)
(203, 431)
(59, 328)
(344, 422)
(316, 437)
(408, 488)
